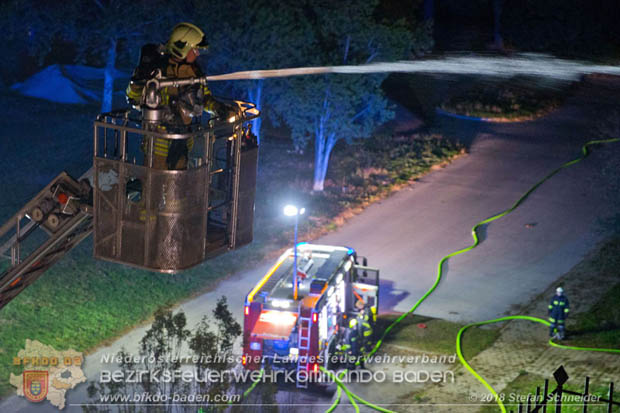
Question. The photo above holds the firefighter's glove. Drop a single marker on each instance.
(191, 101)
(227, 112)
(133, 103)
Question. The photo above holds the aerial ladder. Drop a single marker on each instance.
(156, 219)
(56, 220)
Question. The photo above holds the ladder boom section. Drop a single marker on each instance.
(50, 225)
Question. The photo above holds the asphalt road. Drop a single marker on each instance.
(406, 234)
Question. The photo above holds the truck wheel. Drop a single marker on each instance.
(37, 215)
(53, 222)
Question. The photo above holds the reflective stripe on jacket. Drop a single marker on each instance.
(558, 308)
(161, 146)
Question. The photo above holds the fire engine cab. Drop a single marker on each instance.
(304, 329)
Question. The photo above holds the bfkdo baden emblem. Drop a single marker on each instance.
(35, 385)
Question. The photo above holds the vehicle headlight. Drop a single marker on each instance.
(255, 345)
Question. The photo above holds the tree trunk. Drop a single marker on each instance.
(323, 149)
(108, 77)
(319, 176)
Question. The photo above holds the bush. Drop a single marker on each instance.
(507, 100)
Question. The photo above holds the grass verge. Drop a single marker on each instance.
(435, 335)
(81, 303)
(600, 326)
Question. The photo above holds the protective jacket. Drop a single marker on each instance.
(183, 103)
(154, 57)
(351, 338)
(558, 309)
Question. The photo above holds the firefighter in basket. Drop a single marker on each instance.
(176, 59)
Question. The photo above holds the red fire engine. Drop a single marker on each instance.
(304, 332)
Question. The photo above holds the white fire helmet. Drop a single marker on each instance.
(559, 291)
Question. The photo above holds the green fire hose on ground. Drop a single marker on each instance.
(584, 153)
(352, 396)
(509, 318)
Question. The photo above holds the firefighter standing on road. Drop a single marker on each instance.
(558, 311)
(177, 59)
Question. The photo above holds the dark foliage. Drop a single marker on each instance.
(565, 27)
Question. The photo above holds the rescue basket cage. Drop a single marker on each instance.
(171, 218)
